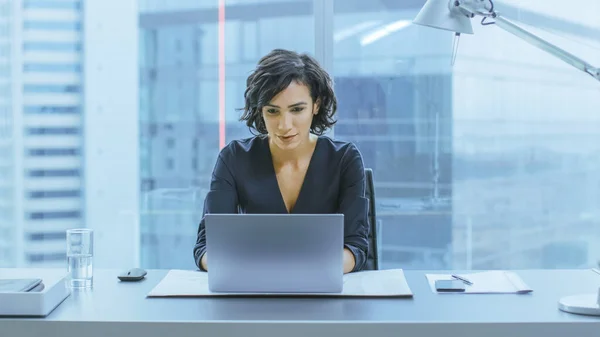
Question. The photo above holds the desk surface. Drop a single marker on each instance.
(122, 309)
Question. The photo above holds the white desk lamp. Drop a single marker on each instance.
(455, 16)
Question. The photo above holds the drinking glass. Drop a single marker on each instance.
(80, 251)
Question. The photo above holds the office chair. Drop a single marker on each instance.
(373, 254)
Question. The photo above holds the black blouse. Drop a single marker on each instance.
(244, 181)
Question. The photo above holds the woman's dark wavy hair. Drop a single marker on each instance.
(274, 72)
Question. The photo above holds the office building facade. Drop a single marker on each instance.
(70, 123)
(8, 232)
(43, 161)
(72, 115)
(52, 127)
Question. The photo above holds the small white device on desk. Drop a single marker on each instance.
(31, 292)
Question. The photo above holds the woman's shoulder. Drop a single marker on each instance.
(240, 149)
(345, 156)
(337, 147)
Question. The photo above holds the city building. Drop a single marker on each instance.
(45, 60)
(68, 130)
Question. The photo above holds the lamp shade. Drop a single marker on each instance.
(437, 14)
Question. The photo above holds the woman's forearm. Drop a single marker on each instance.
(349, 261)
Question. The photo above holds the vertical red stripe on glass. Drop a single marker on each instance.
(221, 74)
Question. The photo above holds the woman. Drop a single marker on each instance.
(289, 167)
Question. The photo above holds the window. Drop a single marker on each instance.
(53, 173)
(76, 5)
(490, 163)
(152, 130)
(465, 158)
(483, 165)
(31, 88)
(53, 152)
(53, 194)
(186, 52)
(170, 143)
(52, 257)
(52, 68)
(52, 25)
(55, 215)
(47, 236)
(47, 109)
(52, 131)
(147, 185)
(52, 46)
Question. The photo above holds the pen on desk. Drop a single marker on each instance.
(462, 279)
(596, 270)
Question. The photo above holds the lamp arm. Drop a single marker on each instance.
(562, 54)
(529, 37)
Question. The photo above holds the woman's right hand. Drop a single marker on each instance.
(203, 262)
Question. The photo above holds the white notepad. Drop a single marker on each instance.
(487, 282)
(380, 283)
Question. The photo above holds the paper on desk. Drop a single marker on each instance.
(380, 283)
(488, 282)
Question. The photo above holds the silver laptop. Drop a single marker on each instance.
(275, 253)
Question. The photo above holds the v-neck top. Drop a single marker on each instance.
(244, 181)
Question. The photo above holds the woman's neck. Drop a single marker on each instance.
(295, 156)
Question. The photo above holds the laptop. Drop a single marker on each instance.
(275, 253)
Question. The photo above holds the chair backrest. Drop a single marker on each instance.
(372, 257)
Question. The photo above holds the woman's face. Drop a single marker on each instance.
(288, 116)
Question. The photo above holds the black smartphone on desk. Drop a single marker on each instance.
(447, 286)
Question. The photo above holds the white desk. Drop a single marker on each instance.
(122, 309)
